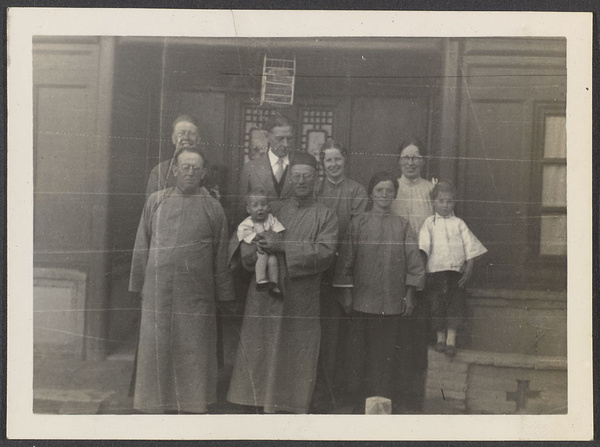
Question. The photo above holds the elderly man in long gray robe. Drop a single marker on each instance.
(180, 267)
(277, 355)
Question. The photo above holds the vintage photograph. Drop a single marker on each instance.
(337, 224)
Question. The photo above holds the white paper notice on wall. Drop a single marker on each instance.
(278, 81)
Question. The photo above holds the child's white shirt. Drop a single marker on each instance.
(248, 229)
(448, 243)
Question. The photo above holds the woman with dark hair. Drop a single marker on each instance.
(379, 269)
(347, 198)
(414, 204)
(414, 200)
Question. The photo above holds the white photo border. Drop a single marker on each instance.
(23, 23)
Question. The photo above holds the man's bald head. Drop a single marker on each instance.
(185, 132)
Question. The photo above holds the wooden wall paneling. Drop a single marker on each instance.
(377, 127)
(517, 46)
(98, 297)
(134, 145)
(492, 181)
(72, 88)
(65, 121)
(209, 108)
(62, 148)
(134, 149)
(497, 124)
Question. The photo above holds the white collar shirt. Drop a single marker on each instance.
(448, 243)
(273, 159)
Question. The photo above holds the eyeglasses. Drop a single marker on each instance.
(187, 134)
(298, 177)
(284, 139)
(188, 168)
(411, 158)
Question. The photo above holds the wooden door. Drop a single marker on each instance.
(378, 125)
(498, 180)
(72, 93)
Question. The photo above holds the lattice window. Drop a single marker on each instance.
(315, 119)
(253, 121)
(317, 127)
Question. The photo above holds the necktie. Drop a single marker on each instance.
(279, 170)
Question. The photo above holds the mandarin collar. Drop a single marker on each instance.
(200, 191)
(335, 184)
(437, 216)
(408, 181)
(308, 202)
(387, 214)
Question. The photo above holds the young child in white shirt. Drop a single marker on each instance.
(451, 249)
(250, 231)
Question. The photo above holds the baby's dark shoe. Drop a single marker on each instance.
(276, 293)
(263, 286)
(440, 346)
(451, 350)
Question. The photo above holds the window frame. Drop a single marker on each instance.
(536, 208)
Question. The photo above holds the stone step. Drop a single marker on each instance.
(60, 401)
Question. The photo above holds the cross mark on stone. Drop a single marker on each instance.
(521, 395)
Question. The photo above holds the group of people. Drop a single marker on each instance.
(347, 282)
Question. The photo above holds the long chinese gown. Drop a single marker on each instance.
(413, 202)
(348, 199)
(180, 267)
(276, 362)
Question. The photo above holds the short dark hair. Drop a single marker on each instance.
(332, 144)
(277, 120)
(185, 118)
(256, 192)
(412, 141)
(442, 186)
(382, 176)
(193, 150)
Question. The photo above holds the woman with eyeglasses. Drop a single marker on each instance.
(413, 202)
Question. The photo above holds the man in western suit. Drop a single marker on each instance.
(270, 170)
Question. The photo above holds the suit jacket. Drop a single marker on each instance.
(258, 174)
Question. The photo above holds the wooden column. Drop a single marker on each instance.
(97, 303)
(449, 112)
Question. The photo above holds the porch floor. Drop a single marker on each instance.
(65, 385)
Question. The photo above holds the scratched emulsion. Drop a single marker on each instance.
(490, 114)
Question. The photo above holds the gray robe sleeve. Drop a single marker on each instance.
(359, 201)
(141, 246)
(415, 270)
(344, 268)
(306, 257)
(223, 279)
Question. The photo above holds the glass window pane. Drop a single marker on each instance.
(553, 235)
(554, 186)
(555, 137)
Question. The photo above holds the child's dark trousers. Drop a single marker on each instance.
(446, 299)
